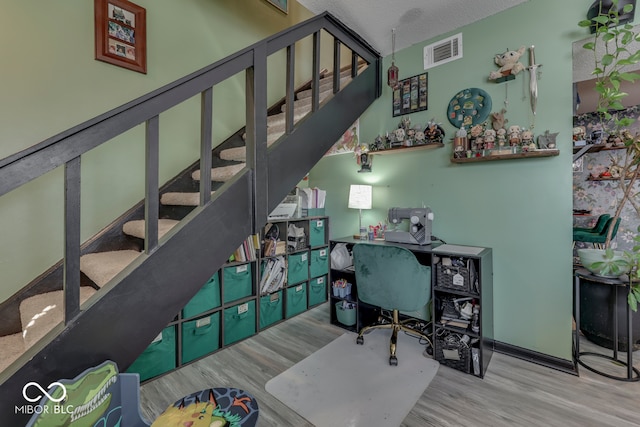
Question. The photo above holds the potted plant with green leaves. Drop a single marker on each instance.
(613, 47)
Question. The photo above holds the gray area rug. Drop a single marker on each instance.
(345, 384)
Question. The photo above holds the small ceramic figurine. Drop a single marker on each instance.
(514, 135)
(400, 134)
(489, 139)
(547, 140)
(501, 136)
(433, 132)
(420, 137)
(579, 133)
(497, 120)
(508, 63)
(526, 137)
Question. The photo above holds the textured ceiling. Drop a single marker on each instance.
(414, 20)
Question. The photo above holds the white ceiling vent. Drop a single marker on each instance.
(443, 51)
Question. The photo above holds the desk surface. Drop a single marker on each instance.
(434, 247)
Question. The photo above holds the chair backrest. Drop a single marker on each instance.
(391, 277)
(601, 223)
(615, 227)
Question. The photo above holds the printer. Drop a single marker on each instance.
(420, 220)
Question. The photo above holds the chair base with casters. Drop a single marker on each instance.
(394, 323)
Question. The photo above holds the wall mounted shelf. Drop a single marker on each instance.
(404, 149)
(527, 155)
(594, 148)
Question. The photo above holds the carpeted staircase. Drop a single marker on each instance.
(39, 314)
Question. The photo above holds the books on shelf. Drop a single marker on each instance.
(274, 275)
(246, 252)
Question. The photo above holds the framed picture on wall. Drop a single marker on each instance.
(411, 95)
(282, 5)
(120, 34)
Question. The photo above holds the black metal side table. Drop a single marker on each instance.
(616, 283)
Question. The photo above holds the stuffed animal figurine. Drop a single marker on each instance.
(508, 63)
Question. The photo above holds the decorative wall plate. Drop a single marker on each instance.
(469, 107)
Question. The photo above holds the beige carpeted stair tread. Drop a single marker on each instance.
(240, 153)
(136, 228)
(326, 84)
(279, 119)
(300, 103)
(104, 266)
(11, 347)
(182, 199)
(41, 313)
(222, 173)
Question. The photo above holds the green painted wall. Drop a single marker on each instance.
(52, 82)
(520, 208)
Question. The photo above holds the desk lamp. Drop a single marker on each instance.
(360, 198)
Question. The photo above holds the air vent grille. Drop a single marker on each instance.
(443, 51)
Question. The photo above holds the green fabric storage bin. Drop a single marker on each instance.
(317, 290)
(270, 309)
(239, 322)
(317, 232)
(296, 299)
(200, 337)
(237, 282)
(207, 298)
(159, 357)
(319, 262)
(297, 268)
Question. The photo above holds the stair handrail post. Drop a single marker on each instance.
(256, 134)
(290, 89)
(315, 85)
(152, 188)
(206, 144)
(71, 269)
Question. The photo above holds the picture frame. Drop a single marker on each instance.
(121, 34)
(281, 5)
(411, 95)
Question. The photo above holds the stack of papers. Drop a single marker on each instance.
(312, 198)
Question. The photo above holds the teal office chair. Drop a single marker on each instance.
(391, 278)
(597, 228)
(597, 239)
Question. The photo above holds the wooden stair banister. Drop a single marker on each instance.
(147, 293)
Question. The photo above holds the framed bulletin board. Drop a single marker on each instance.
(120, 34)
(411, 95)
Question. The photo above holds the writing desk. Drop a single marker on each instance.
(480, 261)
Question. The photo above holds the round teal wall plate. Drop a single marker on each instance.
(469, 107)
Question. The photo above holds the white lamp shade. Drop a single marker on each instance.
(360, 197)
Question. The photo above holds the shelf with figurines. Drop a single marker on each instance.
(595, 141)
(482, 144)
(408, 138)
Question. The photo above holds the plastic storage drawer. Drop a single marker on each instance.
(159, 357)
(239, 322)
(296, 300)
(207, 298)
(237, 282)
(319, 262)
(200, 337)
(298, 268)
(317, 290)
(317, 232)
(270, 309)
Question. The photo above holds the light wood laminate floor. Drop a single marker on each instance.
(514, 392)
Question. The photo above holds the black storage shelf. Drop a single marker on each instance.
(321, 240)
